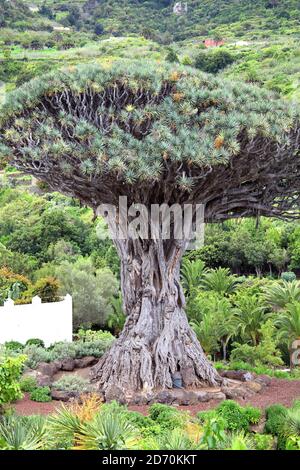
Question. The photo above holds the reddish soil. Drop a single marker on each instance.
(26, 407)
(280, 391)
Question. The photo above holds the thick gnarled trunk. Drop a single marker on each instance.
(157, 340)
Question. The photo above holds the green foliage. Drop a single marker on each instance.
(45, 288)
(219, 280)
(279, 294)
(166, 416)
(72, 383)
(265, 352)
(276, 416)
(14, 346)
(237, 417)
(263, 441)
(36, 341)
(28, 384)
(91, 291)
(249, 314)
(41, 394)
(107, 432)
(192, 274)
(26, 433)
(213, 433)
(288, 323)
(116, 319)
(10, 371)
(226, 104)
(213, 62)
(288, 276)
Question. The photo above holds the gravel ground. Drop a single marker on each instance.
(280, 391)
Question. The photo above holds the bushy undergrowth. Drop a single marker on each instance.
(91, 425)
(89, 344)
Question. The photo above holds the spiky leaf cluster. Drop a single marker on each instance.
(157, 134)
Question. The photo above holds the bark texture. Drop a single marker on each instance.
(157, 340)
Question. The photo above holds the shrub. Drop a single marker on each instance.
(46, 288)
(263, 441)
(23, 433)
(288, 276)
(166, 416)
(28, 384)
(92, 348)
(275, 423)
(107, 432)
(213, 62)
(72, 383)
(14, 346)
(35, 354)
(36, 341)
(237, 417)
(10, 371)
(41, 394)
(265, 352)
(63, 350)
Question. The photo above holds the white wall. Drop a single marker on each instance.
(50, 322)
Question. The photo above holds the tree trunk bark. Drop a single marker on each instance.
(157, 340)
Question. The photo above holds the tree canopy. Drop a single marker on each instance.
(157, 133)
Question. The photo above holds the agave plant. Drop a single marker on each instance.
(220, 280)
(292, 422)
(177, 439)
(23, 433)
(279, 294)
(107, 431)
(64, 425)
(237, 440)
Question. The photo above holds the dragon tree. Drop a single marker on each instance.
(156, 134)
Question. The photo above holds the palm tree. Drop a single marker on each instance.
(289, 326)
(192, 274)
(116, 318)
(281, 293)
(217, 325)
(249, 315)
(220, 280)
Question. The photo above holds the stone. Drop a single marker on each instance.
(220, 396)
(183, 397)
(58, 364)
(84, 362)
(115, 393)
(233, 393)
(63, 395)
(47, 368)
(141, 400)
(43, 380)
(253, 386)
(68, 364)
(165, 397)
(263, 380)
(241, 375)
(202, 397)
